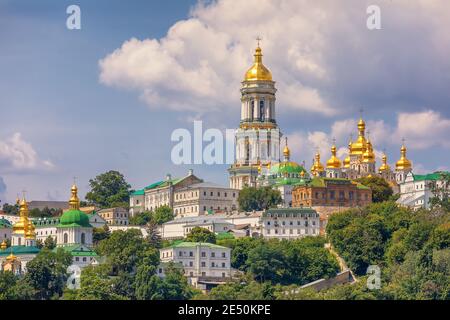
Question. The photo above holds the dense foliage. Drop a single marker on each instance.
(282, 262)
(45, 278)
(381, 190)
(129, 272)
(198, 234)
(410, 247)
(10, 208)
(108, 190)
(159, 216)
(258, 198)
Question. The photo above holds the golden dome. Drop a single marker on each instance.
(369, 155)
(74, 202)
(359, 147)
(286, 151)
(317, 167)
(258, 71)
(333, 162)
(30, 231)
(403, 163)
(384, 165)
(11, 257)
(21, 226)
(3, 246)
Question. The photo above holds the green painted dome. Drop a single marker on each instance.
(74, 218)
(286, 167)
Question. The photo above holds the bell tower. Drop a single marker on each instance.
(257, 140)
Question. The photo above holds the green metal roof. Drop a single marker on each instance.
(19, 250)
(224, 235)
(77, 250)
(74, 218)
(4, 223)
(431, 176)
(138, 192)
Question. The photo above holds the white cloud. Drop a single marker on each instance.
(320, 53)
(19, 156)
(424, 129)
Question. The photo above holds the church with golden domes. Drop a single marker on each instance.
(73, 235)
(360, 162)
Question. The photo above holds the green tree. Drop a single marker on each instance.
(153, 236)
(49, 243)
(99, 234)
(199, 234)
(265, 263)
(11, 208)
(258, 199)
(163, 214)
(142, 218)
(441, 192)
(47, 273)
(95, 284)
(109, 189)
(381, 190)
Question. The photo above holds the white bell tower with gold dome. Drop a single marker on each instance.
(257, 140)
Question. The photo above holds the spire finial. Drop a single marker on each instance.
(258, 39)
(361, 111)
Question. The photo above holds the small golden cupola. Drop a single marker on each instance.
(403, 163)
(347, 159)
(21, 226)
(74, 202)
(359, 147)
(258, 72)
(286, 152)
(4, 245)
(384, 165)
(369, 155)
(333, 162)
(317, 167)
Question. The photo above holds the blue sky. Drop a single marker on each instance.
(70, 107)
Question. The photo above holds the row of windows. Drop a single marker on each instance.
(213, 264)
(117, 222)
(84, 259)
(191, 274)
(332, 195)
(291, 231)
(191, 254)
(111, 215)
(291, 223)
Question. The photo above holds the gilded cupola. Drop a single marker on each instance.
(403, 163)
(369, 155)
(74, 202)
(384, 165)
(333, 162)
(258, 72)
(360, 145)
(317, 167)
(286, 151)
(21, 226)
(347, 159)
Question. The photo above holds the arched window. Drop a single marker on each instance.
(83, 238)
(261, 110)
(66, 238)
